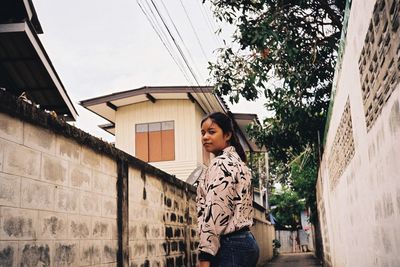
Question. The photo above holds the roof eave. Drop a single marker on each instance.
(43, 59)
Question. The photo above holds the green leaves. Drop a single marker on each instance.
(288, 53)
(286, 206)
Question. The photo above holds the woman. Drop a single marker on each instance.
(224, 199)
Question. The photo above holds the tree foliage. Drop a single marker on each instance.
(285, 50)
(286, 205)
(303, 176)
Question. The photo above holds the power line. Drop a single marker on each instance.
(159, 32)
(183, 42)
(179, 49)
(176, 44)
(209, 24)
(166, 39)
(194, 30)
(180, 37)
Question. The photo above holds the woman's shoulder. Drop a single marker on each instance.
(224, 158)
(227, 161)
(218, 161)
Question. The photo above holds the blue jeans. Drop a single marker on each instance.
(237, 250)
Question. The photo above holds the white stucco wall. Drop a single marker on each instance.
(360, 210)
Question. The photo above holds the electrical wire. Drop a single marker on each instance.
(182, 41)
(179, 49)
(194, 30)
(164, 42)
(175, 42)
(189, 54)
(209, 24)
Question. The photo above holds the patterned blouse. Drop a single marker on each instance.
(224, 200)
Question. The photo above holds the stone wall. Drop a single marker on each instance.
(70, 199)
(358, 189)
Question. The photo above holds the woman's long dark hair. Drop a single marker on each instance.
(226, 124)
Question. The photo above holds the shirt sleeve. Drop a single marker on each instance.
(218, 206)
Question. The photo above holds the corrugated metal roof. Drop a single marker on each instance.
(19, 11)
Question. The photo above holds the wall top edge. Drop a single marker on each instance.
(27, 112)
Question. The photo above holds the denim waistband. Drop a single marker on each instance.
(238, 232)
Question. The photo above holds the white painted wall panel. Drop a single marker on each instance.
(187, 140)
(199, 114)
(362, 210)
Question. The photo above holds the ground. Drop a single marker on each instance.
(294, 260)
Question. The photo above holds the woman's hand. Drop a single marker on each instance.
(204, 264)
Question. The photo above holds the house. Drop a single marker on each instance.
(25, 67)
(161, 125)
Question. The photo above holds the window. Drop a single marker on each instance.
(155, 141)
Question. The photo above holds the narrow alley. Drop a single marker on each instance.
(294, 260)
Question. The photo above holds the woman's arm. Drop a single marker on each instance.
(218, 207)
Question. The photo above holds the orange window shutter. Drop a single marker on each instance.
(168, 145)
(168, 140)
(142, 142)
(154, 142)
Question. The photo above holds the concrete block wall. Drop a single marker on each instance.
(359, 205)
(69, 199)
(57, 200)
(162, 226)
(264, 233)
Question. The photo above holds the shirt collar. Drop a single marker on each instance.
(230, 151)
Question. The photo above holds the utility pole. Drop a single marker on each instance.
(266, 159)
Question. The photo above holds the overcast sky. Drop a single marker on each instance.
(100, 47)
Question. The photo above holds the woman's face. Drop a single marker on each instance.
(213, 138)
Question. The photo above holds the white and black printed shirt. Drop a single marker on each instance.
(224, 201)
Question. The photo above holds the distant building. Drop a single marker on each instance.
(161, 125)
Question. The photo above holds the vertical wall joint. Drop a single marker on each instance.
(122, 216)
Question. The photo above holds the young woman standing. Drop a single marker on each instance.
(224, 199)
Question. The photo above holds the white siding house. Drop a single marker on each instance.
(137, 118)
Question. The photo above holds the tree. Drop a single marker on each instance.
(286, 50)
(286, 206)
(303, 176)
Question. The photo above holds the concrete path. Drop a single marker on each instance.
(294, 260)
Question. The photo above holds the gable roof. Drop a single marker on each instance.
(106, 106)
